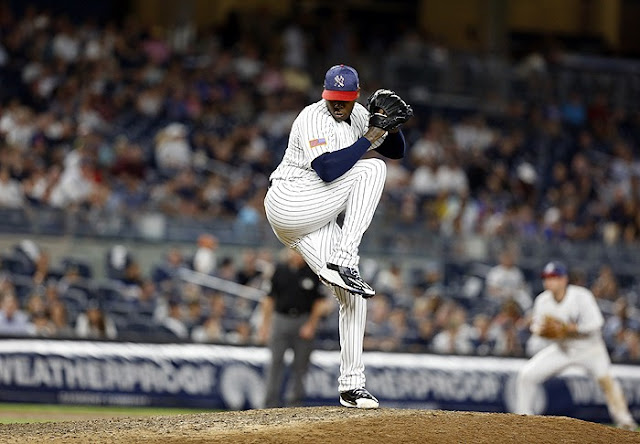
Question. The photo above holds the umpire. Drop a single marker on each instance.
(290, 315)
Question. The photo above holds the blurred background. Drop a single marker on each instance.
(136, 140)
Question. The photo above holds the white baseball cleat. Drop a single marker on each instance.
(630, 426)
(347, 278)
(359, 398)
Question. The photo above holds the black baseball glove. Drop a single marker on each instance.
(388, 110)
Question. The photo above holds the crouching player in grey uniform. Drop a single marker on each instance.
(321, 176)
(569, 316)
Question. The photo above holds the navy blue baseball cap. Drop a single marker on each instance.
(341, 83)
(554, 269)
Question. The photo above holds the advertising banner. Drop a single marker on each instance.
(229, 377)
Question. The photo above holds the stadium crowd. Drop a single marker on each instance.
(115, 118)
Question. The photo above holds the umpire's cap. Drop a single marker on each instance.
(554, 269)
(341, 83)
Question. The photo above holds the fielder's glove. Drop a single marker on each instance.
(553, 328)
(395, 111)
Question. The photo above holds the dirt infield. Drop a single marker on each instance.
(325, 425)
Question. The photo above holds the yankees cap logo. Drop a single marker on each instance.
(341, 83)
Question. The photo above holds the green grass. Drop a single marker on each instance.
(11, 413)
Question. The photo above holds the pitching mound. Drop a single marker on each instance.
(325, 425)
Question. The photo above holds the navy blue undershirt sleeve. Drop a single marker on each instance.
(393, 147)
(330, 166)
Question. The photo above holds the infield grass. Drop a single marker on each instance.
(25, 413)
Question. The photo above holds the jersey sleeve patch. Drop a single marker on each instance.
(317, 142)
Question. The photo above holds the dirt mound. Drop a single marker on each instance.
(325, 425)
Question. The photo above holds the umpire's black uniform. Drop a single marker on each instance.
(294, 289)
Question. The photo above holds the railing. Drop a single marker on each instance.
(384, 239)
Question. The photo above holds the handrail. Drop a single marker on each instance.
(216, 283)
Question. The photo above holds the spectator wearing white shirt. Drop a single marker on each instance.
(13, 321)
(473, 133)
(424, 181)
(75, 186)
(457, 336)
(205, 260)
(505, 281)
(172, 149)
(94, 323)
(450, 177)
(11, 192)
(429, 145)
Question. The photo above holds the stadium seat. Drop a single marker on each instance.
(84, 268)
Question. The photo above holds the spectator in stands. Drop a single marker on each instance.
(390, 280)
(94, 323)
(11, 191)
(616, 325)
(194, 314)
(450, 176)
(249, 272)
(165, 273)
(505, 281)
(175, 319)
(59, 320)
(212, 329)
(205, 258)
(35, 260)
(425, 331)
(401, 332)
(35, 304)
(429, 145)
(483, 336)
(70, 276)
(13, 321)
(129, 173)
(132, 280)
(473, 133)
(627, 348)
(77, 185)
(457, 335)
(574, 111)
(251, 212)
(51, 293)
(241, 333)
(605, 286)
(118, 259)
(510, 339)
(148, 299)
(172, 149)
(42, 324)
(424, 182)
(377, 328)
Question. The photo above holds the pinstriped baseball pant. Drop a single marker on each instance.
(303, 215)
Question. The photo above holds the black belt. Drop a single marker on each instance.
(293, 312)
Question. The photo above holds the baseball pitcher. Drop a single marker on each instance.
(321, 176)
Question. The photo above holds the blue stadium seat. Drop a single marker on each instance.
(84, 268)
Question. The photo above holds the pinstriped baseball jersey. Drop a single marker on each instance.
(315, 132)
(303, 211)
